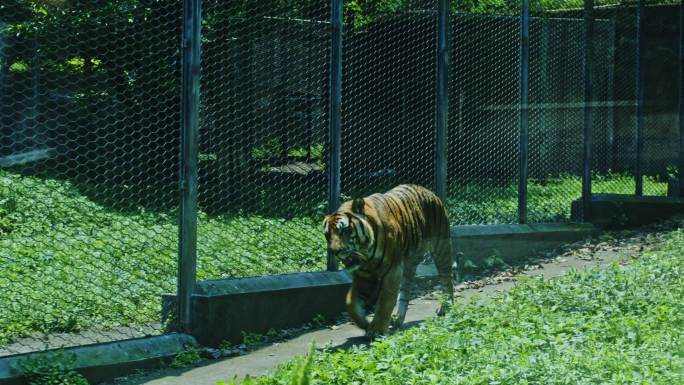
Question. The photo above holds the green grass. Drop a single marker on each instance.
(71, 263)
(611, 326)
(548, 201)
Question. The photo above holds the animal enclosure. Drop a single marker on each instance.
(145, 146)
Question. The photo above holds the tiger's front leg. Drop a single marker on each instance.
(361, 291)
(386, 301)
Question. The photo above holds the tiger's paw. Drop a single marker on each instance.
(373, 335)
(358, 316)
(374, 332)
(361, 322)
(397, 322)
(444, 307)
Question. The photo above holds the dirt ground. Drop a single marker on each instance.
(255, 360)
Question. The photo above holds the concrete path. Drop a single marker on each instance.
(260, 361)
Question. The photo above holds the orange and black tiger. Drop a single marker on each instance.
(381, 239)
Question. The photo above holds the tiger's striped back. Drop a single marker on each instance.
(418, 213)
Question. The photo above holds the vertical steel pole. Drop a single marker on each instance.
(442, 98)
(524, 109)
(334, 178)
(638, 172)
(187, 255)
(588, 49)
(680, 165)
(610, 118)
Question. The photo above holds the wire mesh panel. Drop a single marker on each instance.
(263, 130)
(89, 120)
(614, 161)
(484, 94)
(660, 63)
(556, 109)
(615, 134)
(389, 103)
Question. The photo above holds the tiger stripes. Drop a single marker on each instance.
(381, 239)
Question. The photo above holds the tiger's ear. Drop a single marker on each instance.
(358, 205)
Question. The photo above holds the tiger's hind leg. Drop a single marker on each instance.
(441, 253)
(407, 283)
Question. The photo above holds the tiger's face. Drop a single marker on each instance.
(349, 238)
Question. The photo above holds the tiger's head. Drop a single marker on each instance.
(350, 237)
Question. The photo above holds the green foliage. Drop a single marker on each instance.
(548, 200)
(490, 7)
(106, 268)
(252, 338)
(73, 264)
(298, 372)
(316, 152)
(126, 17)
(469, 265)
(512, 7)
(187, 358)
(318, 320)
(19, 66)
(271, 150)
(226, 345)
(301, 374)
(52, 369)
(493, 261)
(8, 214)
(617, 325)
(365, 12)
(672, 171)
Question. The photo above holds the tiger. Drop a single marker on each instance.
(381, 239)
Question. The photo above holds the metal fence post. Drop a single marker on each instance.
(524, 109)
(334, 178)
(588, 103)
(640, 100)
(610, 119)
(680, 166)
(442, 98)
(187, 253)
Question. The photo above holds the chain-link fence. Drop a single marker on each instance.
(615, 142)
(89, 118)
(644, 56)
(484, 100)
(389, 108)
(262, 137)
(660, 65)
(556, 110)
(90, 143)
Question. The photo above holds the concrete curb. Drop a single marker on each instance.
(224, 309)
(611, 211)
(512, 242)
(102, 361)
